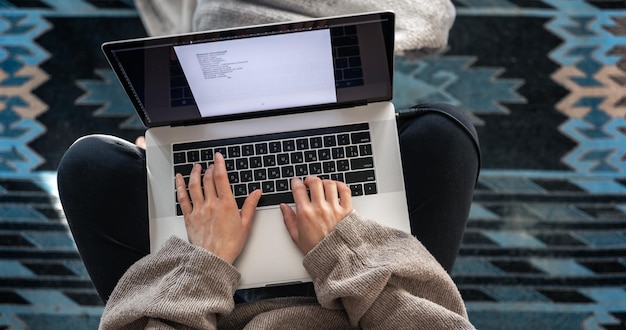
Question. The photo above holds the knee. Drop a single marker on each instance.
(423, 113)
(89, 155)
(439, 128)
(437, 119)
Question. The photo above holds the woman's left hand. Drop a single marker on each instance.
(212, 218)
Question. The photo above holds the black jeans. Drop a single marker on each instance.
(102, 186)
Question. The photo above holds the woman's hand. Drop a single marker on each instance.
(315, 217)
(212, 218)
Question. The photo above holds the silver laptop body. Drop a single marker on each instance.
(315, 93)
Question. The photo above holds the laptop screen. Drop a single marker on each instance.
(261, 70)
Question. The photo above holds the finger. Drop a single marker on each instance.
(220, 176)
(316, 188)
(330, 190)
(345, 196)
(209, 184)
(289, 217)
(298, 190)
(183, 197)
(249, 207)
(195, 186)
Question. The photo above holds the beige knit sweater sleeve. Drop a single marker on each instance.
(384, 278)
(182, 286)
(365, 275)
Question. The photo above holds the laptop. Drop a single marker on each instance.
(278, 100)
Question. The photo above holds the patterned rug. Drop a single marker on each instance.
(545, 81)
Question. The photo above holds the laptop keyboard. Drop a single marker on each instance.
(268, 162)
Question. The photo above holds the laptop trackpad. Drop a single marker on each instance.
(270, 257)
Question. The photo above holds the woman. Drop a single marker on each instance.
(364, 275)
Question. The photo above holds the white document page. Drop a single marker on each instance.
(260, 73)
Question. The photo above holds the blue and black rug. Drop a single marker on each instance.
(545, 80)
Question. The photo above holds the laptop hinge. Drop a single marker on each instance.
(252, 115)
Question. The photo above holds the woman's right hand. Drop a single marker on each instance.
(315, 217)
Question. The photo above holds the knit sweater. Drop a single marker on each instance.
(422, 26)
(365, 276)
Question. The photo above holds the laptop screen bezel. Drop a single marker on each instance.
(387, 19)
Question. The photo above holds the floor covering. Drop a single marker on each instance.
(545, 83)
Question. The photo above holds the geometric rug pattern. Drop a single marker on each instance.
(546, 242)
(544, 81)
